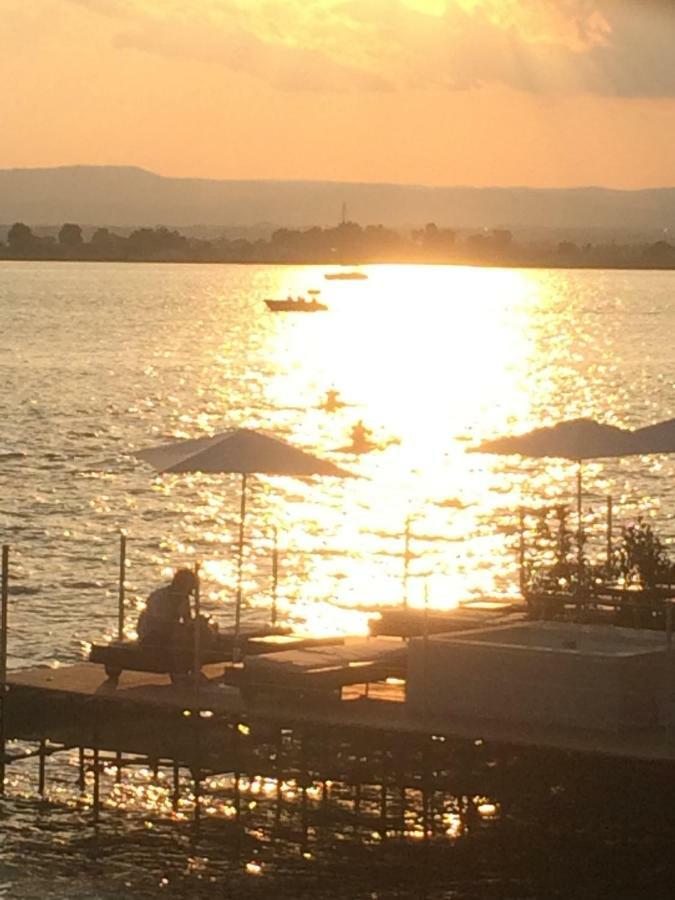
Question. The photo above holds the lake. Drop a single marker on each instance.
(100, 360)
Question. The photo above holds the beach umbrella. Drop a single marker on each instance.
(658, 438)
(244, 452)
(575, 439)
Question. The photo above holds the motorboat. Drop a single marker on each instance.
(299, 304)
(345, 276)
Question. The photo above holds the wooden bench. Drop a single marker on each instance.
(178, 660)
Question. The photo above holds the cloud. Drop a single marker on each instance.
(549, 47)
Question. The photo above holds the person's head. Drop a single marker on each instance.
(184, 581)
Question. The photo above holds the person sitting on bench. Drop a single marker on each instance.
(167, 615)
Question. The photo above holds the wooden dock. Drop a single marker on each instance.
(78, 706)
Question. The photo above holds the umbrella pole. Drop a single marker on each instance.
(609, 535)
(120, 602)
(580, 549)
(521, 549)
(240, 561)
(406, 562)
(275, 575)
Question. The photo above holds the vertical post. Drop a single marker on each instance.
(406, 561)
(123, 569)
(4, 625)
(668, 699)
(275, 575)
(580, 536)
(197, 660)
(304, 774)
(236, 774)
(383, 798)
(96, 808)
(425, 647)
(240, 562)
(521, 549)
(609, 535)
(279, 774)
(96, 801)
(176, 787)
(41, 767)
(197, 822)
(81, 778)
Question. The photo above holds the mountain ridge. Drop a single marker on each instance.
(132, 195)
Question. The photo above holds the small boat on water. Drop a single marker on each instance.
(345, 276)
(291, 304)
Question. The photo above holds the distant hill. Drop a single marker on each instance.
(128, 196)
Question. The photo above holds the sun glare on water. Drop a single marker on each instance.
(431, 360)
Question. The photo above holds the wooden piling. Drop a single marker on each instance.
(197, 663)
(81, 777)
(96, 799)
(41, 767)
(175, 798)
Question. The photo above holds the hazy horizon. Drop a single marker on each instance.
(340, 181)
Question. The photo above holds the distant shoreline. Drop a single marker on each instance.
(345, 244)
(474, 264)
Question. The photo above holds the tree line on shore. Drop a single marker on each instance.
(347, 242)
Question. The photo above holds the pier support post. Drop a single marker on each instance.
(279, 774)
(4, 607)
(236, 772)
(197, 661)
(175, 799)
(610, 550)
(81, 780)
(383, 797)
(41, 767)
(304, 775)
(96, 803)
(96, 799)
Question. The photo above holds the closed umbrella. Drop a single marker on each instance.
(244, 452)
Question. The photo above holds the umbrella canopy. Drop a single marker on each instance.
(576, 439)
(240, 451)
(244, 452)
(659, 438)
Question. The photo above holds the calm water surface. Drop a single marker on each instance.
(99, 360)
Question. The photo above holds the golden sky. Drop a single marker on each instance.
(473, 92)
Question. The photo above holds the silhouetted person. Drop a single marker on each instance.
(168, 612)
(332, 401)
(361, 437)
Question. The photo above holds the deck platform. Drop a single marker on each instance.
(78, 706)
(409, 622)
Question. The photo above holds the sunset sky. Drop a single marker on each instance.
(473, 92)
